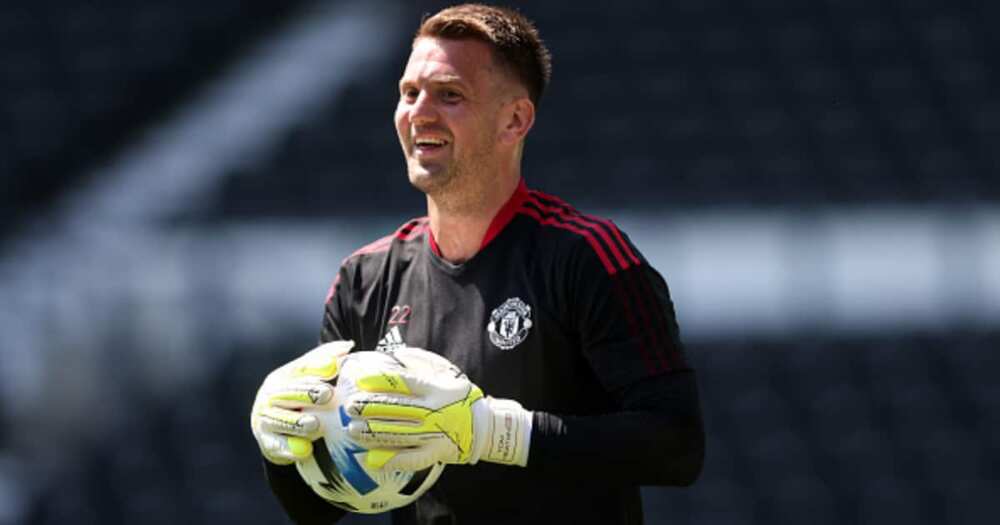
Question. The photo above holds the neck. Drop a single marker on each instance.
(459, 228)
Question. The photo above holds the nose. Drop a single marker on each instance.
(422, 110)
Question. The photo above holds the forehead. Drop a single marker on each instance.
(437, 58)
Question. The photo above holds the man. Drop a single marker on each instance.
(552, 311)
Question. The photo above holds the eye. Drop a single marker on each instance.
(450, 95)
(409, 93)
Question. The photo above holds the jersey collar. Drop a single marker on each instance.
(506, 214)
(499, 222)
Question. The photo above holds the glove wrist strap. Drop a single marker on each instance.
(507, 431)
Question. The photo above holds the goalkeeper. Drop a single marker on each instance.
(582, 392)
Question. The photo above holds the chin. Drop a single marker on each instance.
(427, 180)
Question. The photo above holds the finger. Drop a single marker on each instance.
(384, 405)
(284, 450)
(374, 434)
(385, 382)
(408, 383)
(323, 361)
(340, 348)
(301, 394)
(434, 361)
(393, 411)
(290, 422)
(402, 428)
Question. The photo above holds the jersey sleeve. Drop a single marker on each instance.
(655, 438)
(629, 335)
(338, 322)
(623, 312)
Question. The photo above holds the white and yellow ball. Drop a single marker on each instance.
(345, 473)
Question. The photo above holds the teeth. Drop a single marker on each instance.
(429, 142)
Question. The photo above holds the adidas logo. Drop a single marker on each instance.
(392, 340)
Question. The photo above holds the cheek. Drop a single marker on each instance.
(484, 129)
(401, 120)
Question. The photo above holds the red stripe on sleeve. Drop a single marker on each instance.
(377, 246)
(673, 359)
(405, 232)
(611, 226)
(652, 315)
(412, 229)
(616, 283)
(563, 214)
(587, 235)
(634, 328)
(618, 234)
(649, 335)
(632, 288)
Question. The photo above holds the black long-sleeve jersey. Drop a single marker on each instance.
(559, 311)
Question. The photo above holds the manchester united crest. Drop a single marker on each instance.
(509, 323)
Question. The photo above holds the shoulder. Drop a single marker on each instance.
(358, 270)
(580, 235)
(403, 240)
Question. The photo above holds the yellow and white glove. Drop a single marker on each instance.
(280, 420)
(412, 420)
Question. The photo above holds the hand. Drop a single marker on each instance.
(410, 421)
(284, 431)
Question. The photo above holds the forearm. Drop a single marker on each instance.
(656, 439)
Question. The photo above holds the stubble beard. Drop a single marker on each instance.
(460, 186)
(430, 180)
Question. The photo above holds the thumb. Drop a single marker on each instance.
(283, 450)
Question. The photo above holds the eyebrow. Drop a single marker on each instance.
(438, 79)
(445, 79)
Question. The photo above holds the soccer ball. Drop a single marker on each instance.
(337, 471)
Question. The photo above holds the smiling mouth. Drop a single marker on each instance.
(429, 144)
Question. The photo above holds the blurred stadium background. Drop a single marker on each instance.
(819, 181)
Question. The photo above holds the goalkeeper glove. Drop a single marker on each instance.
(282, 429)
(411, 421)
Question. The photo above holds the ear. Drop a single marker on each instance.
(517, 118)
